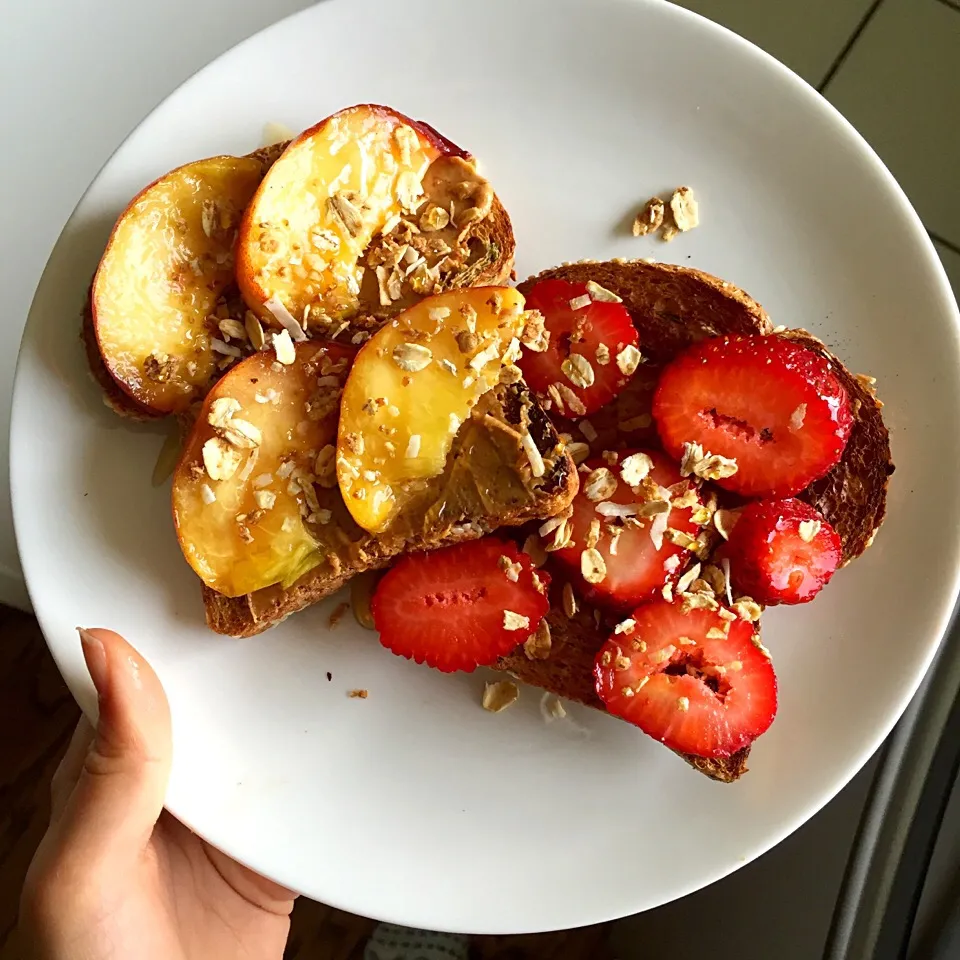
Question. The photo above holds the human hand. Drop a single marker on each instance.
(116, 877)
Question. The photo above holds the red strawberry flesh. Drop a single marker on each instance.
(782, 551)
(639, 568)
(773, 406)
(451, 608)
(597, 331)
(682, 679)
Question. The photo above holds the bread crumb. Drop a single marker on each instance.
(499, 695)
(685, 209)
(338, 612)
(357, 694)
(650, 218)
(537, 645)
(515, 621)
(809, 529)
(628, 359)
(680, 214)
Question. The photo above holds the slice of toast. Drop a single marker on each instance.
(673, 307)
(489, 262)
(487, 483)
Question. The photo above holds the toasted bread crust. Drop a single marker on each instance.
(853, 495)
(673, 307)
(568, 673)
(253, 613)
(116, 399)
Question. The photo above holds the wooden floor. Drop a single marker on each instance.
(37, 716)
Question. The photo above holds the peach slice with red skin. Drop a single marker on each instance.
(335, 187)
(255, 498)
(411, 387)
(168, 259)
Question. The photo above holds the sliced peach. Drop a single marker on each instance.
(335, 187)
(412, 385)
(255, 499)
(169, 258)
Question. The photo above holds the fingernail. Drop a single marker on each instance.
(96, 660)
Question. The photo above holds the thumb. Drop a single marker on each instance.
(119, 794)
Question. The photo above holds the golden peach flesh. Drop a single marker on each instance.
(252, 492)
(169, 258)
(336, 187)
(411, 387)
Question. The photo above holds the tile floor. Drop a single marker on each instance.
(892, 68)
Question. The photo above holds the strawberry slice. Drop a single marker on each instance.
(618, 521)
(696, 682)
(771, 405)
(782, 551)
(592, 351)
(462, 606)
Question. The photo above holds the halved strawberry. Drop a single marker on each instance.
(781, 551)
(619, 521)
(696, 682)
(773, 406)
(462, 606)
(592, 351)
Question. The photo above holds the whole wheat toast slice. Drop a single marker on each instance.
(489, 262)
(487, 484)
(673, 307)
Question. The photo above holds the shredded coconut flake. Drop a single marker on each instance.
(228, 350)
(286, 319)
(725, 566)
(578, 303)
(413, 446)
(658, 527)
(537, 467)
(283, 347)
(607, 508)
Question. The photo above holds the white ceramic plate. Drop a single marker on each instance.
(415, 805)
